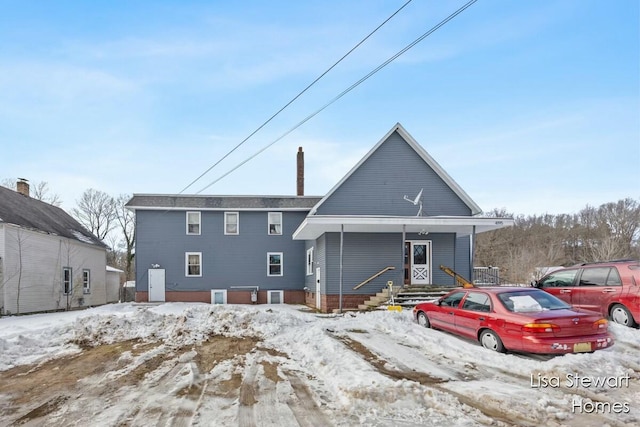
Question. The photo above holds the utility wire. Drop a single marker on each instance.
(349, 89)
(296, 97)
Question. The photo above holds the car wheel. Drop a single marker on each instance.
(621, 315)
(423, 320)
(491, 341)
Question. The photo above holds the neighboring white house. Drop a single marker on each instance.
(48, 260)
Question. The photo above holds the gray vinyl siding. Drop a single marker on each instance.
(364, 254)
(379, 185)
(32, 267)
(227, 260)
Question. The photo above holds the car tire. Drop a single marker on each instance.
(423, 320)
(491, 341)
(620, 314)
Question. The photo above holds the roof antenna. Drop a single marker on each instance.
(416, 201)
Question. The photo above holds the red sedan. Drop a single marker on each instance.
(516, 319)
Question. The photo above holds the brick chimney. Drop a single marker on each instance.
(23, 187)
(300, 172)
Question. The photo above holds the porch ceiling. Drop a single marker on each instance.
(314, 226)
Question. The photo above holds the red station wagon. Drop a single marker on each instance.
(517, 319)
(609, 288)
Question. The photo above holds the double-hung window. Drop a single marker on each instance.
(275, 223)
(274, 264)
(193, 223)
(193, 264)
(67, 280)
(231, 223)
(86, 281)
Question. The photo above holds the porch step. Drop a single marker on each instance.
(406, 296)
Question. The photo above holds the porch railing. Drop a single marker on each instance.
(486, 276)
(378, 274)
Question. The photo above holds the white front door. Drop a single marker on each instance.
(421, 262)
(156, 285)
(318, 296)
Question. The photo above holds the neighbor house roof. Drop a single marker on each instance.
(33, 214)
(201, 202)
(475, 209)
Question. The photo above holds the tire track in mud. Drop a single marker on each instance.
(304, 408)
(247, 397)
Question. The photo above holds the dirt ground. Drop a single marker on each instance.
(173, 385)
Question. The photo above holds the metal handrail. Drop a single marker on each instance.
(378, 274)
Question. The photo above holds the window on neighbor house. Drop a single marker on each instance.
(309, 261)
(86, 281)
(231, 223)
(193, 264)
(275, 223)
(274, 264)
(67, 280)
(193, 223)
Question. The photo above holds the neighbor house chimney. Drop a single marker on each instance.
(23, 187)
(300, 172)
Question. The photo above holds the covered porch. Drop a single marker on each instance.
(414, 246)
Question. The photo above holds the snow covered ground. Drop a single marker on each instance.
(197, 364)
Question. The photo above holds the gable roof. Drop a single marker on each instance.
(430, 161)
(201, 202)
(33, 214)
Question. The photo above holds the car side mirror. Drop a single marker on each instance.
(535, 284)
(439, 302)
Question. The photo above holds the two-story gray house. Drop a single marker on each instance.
(394, 217)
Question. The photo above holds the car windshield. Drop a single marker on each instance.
(530, 301)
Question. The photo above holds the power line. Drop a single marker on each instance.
(296, 97)
(349, 89)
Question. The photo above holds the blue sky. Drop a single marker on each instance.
(531, 106)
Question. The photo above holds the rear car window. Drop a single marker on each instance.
(596, 276)
(530, 301)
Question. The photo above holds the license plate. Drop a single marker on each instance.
(581, 347)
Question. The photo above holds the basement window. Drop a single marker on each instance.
(275, 297)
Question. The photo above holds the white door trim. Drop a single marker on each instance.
(156, 278)
(421, 273)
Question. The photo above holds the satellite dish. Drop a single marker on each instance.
(416, 201)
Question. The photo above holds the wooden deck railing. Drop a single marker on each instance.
(378, 274)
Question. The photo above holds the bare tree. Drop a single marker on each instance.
(97, 212)
(40, 192)
(126, 220)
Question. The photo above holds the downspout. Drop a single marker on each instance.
(404, 238)
(473, 253)
(341, 254)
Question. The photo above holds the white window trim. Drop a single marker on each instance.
(70, 280)
(237, 214)
(269, 223)
(186, 264)
(86, 286)
(309, 260)
(224, 295)
(269, 264)
(269, 293)
(199, 223)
